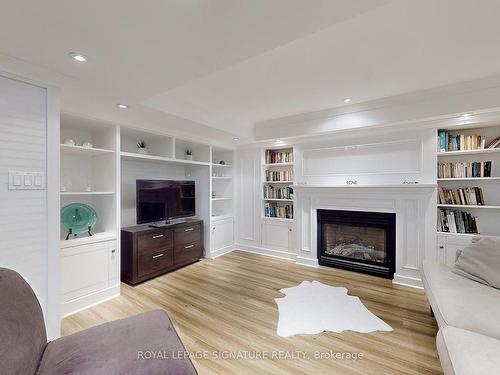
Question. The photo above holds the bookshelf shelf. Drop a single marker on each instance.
(221, 199)
(221, 165)
(277, 218)
(87, 192)
(469, 152)
(278, 200)
(469, 179)
(222, 178)
(279, 182)
(80, 150)
(468, 206)
(467, 234)
(279, 164)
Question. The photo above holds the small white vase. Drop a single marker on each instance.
(142, 150)
(188, 157)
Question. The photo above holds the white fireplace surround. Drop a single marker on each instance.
(413, 205)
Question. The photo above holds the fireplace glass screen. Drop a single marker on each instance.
(355, 242)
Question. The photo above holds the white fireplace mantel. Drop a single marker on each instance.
(413, 204)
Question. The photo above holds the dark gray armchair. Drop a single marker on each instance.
(111, 348)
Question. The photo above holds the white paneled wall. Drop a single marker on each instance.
(248, 192)
(25, 227)
(368, 159)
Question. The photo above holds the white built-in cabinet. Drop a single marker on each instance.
(90, 175)
(277, 234)
(222, 234)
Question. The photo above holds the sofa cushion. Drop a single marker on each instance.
(463, 352)
(22, 329)
(116, 347)
(461, 302)
(480, 261)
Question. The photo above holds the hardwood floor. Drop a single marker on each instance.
(227, 304)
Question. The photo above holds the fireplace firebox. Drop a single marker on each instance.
(357, 241)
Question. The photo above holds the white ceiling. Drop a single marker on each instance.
(194, 66)
(138, 49)
(401, 47)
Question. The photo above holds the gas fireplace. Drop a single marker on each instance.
(358, 241)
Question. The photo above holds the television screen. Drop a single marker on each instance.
(159, 200)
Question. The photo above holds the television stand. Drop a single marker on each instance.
(148, 252)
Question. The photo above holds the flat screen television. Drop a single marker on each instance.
(162, 200)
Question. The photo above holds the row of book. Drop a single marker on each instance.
(272, 209)
(460, 142)
(464, 196)
(457, 222)
(274, 192)
(464, 169)
(279, 176)
(275, 157)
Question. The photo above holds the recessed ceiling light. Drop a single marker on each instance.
(466, 114)
(122, 106)
(347, 100)
(236, 139)
(78, 57)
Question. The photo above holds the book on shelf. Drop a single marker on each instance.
(277, 176)
(460, 142)
(272, 209)
(277, 157)
(494, 143)
(453, 221)
(273, 192)
(464, 169)
(472, 196)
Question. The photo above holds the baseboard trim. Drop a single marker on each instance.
(412, 282)
(268, 252)
(221, 252)
(78, 304)
(307, 262)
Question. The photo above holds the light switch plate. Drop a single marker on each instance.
(20, 180)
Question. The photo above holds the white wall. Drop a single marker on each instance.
(29, 124)
(131, 171)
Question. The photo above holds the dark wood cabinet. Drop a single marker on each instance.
(148, 252)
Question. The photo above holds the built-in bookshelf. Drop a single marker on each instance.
(277, 183)
(89, 165)
(222, 186)
(468, 176)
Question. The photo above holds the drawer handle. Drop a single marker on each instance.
(188, 246)
(158, 236)
(157, 256)
(188, 229)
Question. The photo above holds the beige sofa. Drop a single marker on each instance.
(468, 315)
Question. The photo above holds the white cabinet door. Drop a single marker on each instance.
(276, 235)
(84, 270)
(447, 247)
(222, 234)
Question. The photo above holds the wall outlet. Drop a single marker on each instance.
(19, 180)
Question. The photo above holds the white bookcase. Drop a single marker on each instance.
(282, 183)
(90, 175)
(489, 213)
(222, 201)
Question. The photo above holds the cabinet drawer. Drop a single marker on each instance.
(151, 242)
(187, 252)
(154, 262)
(187, 235)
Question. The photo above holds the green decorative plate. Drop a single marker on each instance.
(78, 217)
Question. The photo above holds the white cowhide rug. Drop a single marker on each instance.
(313, 307)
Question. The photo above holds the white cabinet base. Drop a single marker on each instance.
(73, 306)
(89, 272)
